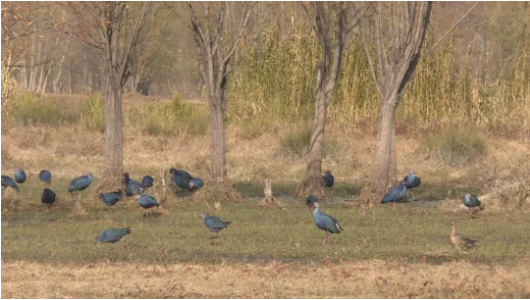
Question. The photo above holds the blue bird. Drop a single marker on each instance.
(310, 200)
(471, 201)
(147, 181)
(146, 201)
(48, 197)
(20, 175)
(195, 183)
(329, 179)
(112, 235)
(45, 176)
(395, 194)
(132, 187)
(80, 183)
(111, 198)
(325, 222)
(181, 178)
(412, 181)
(8, 181)
(214, 224)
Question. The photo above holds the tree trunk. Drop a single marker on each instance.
(313, 183)
(113, 132)
(385, 152)
(217, 139)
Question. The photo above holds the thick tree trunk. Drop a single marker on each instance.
(313, 183)
(217, 139)
(113, 132)
(384, 169)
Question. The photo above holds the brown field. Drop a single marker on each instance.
(368, 279)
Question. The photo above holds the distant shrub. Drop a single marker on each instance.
(93, 114)
(28, 109)
(456, 146)
(297, 141)
(249, 129)
(171, 118)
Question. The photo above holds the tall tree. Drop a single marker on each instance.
(398, 33)
(331, 24)
(104, 29)
(217, 43)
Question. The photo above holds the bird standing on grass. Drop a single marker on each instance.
(181, 178)
(412, 181)
(8, 181)
(132, 187)
(329, 179)
(325, 222)
(110, 198)
(112, 235)
(146, 201)
(20, 175)
(48, 198)
(147, 181)
(395, 194)
(461, 243)
(471, 201)
(80, 183)
(214, 224)
(45, 176)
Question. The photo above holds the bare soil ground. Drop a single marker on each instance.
(273, 280)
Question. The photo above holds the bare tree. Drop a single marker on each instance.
(104, 29)
(331, 24)
(216, 44)
(398, 34)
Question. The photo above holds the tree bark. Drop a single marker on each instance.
(384, 169)
(113, 130)
(217, 139)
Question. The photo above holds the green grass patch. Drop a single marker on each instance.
(297, 142)
(456, 146)
(93, 114)
(28, 109)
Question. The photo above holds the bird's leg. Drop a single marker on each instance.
(327, 238)
(393, 204)
(412, 195)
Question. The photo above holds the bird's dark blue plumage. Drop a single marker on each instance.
(80, 183)
(396, 193)
(110, 198)
(182, 179)
(310, 200)
(8, 181)
(147, 181)
(195, 183)
(20, 176)
(325, 222)
(113, 235)
(411, 180)
(132, 187)
(45, 176)
(329, 179)
(214, 224)
(48, 197)
(471, 201)
(146, 201)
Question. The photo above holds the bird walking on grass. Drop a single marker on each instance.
(45, 176)
(9, 182)
(20, 175)
(110, 198)
(471, 201)
(459, 242)
(412, 181)
(112, 235)
(329, 179)
(214, 224)
(147, 181)
(132, 187)
(395, 194)
(80, 184)
(146, 201)
(325, 222)
(48, 198)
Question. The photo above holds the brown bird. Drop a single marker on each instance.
(461, 243)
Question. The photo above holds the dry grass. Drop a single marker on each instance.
(369, 279)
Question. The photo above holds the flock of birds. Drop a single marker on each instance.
(214, 224)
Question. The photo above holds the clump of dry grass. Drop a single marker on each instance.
(367, 279)
(212, 192)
